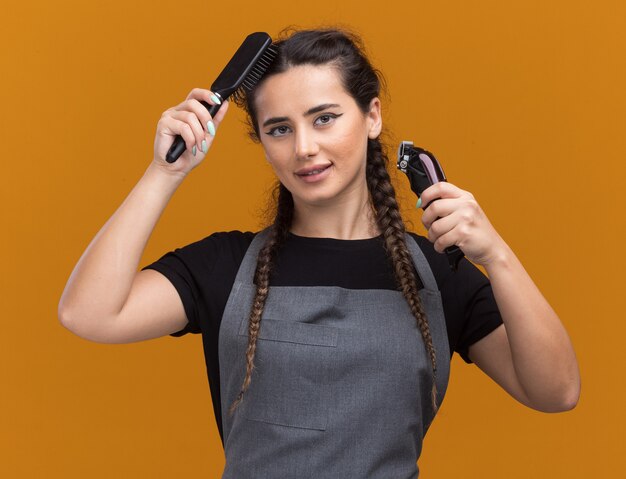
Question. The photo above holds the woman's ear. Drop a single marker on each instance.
(374, 119)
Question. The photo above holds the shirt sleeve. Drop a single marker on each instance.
(186, 268)
(203, 274)
(469, 305)
(480, 311)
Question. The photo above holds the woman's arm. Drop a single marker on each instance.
(100, 283)
(105, 299)
(530, 355)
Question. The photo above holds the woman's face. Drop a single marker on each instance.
(308, 123)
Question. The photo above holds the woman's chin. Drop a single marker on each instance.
(328, 191)
(317, 199)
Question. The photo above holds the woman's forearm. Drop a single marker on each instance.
(101, 280)
(542, 353)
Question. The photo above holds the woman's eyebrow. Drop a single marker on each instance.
(310, 111)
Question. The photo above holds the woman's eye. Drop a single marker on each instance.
(325, 119)
(282, 130)
(278, 131)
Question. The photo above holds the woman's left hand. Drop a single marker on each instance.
(456, 218)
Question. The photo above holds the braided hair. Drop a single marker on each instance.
(344, 50)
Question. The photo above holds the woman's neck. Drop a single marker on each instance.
(348, 218)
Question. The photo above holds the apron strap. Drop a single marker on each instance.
(247, 269)
(421, 264)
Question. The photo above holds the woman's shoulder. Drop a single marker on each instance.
(436, 261)
(231, 237)
(233, 242)
(466, 276)
(217, 245)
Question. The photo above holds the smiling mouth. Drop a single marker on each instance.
(315, 172)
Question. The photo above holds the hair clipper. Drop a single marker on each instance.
(424, 170)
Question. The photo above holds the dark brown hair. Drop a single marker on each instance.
(345, 51)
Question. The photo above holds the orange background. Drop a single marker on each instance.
(522, 101)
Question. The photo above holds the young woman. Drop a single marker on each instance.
(327, 334)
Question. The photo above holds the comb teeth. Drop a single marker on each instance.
(259, 68)
(255, 74)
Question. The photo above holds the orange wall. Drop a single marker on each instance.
(522, 101)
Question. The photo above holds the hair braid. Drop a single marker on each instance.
(265, 264)
(363, 82)
(392, 227)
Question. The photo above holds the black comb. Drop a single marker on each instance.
(243, 72)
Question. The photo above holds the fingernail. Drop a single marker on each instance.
(193, 150)
(211, 127)
(204, 147)
(419, 203)
(215, 99)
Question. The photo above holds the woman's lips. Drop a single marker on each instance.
(325, 171)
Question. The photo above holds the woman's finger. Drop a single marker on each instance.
(191, 119)
(172, 127)
(219, 116)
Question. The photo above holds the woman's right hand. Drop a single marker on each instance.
(188, 119)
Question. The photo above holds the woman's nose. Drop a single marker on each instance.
(306, 144)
